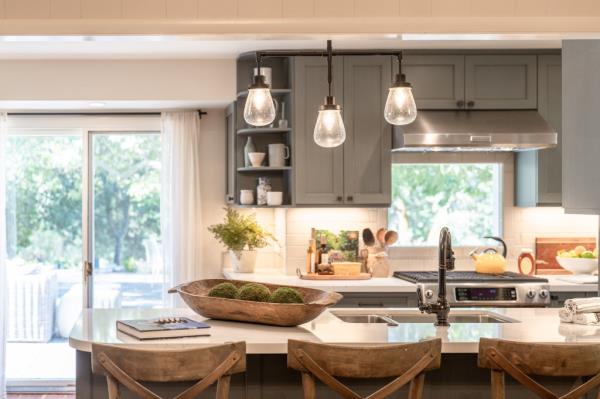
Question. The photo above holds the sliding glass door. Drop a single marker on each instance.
(125, 213)
(44, 226)
(83, 223)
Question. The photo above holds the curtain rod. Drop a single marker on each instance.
(200, 113)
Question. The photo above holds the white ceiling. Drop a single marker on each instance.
(153, 47)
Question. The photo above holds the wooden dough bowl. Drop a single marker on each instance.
(195, 295)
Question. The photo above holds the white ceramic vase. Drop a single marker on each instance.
(243, 261)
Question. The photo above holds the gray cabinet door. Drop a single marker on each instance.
(580, 134)
(550, 107)
(230, 129)
(319, 174)
(438, 80)
(367, 150)
(501, 81)
(538, 173)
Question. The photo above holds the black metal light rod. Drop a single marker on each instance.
(323, 53)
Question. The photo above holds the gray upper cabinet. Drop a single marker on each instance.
(367, 156)
(581, 118)
(501, 81)
(357, 172)
(319, 174)
(538, 173)
(438, 80)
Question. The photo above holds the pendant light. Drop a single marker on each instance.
(400, 107)
(259, 109)
(329, 129)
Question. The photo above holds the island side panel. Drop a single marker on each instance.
(268, 377)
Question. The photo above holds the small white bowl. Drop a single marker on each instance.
(578, 265)
(256, 158)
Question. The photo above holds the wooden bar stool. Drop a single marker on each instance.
(127, 366)
(407, 362)
(520, 360)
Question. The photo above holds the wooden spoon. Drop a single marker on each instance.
(368, 238)
(391, 237)
(381, 236)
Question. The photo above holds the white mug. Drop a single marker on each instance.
(278, 153)
(247, 197)
(274, 198)
(266, 72)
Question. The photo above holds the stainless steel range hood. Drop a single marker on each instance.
(510, 130)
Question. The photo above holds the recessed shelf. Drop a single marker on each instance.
(263, 130)
(263, 169)
(274, 92)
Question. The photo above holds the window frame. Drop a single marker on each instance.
(503, 160)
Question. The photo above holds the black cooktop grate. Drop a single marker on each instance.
(470, 277)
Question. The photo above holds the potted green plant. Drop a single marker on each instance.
(242, 236)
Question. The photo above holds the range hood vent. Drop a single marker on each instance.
(510, 130)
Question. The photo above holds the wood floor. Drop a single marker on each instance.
(40, 396)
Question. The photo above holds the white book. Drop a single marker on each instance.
(174, 327)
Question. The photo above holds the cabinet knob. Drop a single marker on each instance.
(350, 198)
(339, 199)
(230, 198)
(471, 104)
(460, 103)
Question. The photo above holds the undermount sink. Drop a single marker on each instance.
(393, 318)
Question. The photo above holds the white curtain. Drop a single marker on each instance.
(3, 299)
(181, 224)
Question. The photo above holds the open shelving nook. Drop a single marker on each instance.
(244, 177)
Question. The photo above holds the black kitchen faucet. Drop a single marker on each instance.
(446, 263)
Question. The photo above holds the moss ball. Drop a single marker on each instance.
(254, 292)
(223, 290)
(286, 295)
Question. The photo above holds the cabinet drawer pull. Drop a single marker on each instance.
(471, 104)
(339, 199)
(350, 198)
(460, 103)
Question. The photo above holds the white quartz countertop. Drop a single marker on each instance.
(379, 285)
(531, 325)
(384, 284)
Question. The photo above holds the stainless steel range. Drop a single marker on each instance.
(475, 289)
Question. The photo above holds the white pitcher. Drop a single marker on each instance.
(278, 153)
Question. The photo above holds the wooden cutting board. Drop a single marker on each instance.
(547, 247)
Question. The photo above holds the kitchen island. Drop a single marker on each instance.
(268, 376)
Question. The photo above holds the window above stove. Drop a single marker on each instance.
(466, 197)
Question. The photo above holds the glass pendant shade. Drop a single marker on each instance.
(400, 107)
(259, 109)
(329, 129)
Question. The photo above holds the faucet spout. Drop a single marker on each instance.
(446, 263)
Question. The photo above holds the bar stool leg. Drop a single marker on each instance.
(498, 384)
(308, 386)
(416, 387)
(223, 386)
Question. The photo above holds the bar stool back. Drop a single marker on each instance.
(520, 360)
(126, 366)
(407, 362)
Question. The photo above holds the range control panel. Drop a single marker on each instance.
(485, 294)
(488, 294)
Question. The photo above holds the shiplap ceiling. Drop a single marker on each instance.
(163, 47)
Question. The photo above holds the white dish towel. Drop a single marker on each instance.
(583, 311)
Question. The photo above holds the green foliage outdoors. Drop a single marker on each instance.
(239, 232)
(426, 197)
(44, 198)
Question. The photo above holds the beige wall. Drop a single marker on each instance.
(207, 82)
(297, 16)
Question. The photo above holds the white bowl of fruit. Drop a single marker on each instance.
(578, 260)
